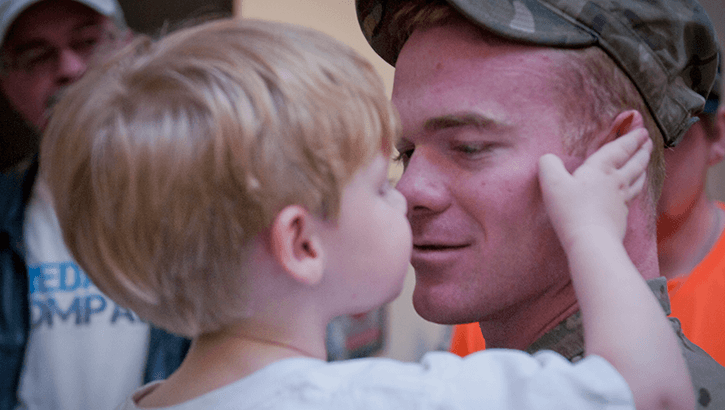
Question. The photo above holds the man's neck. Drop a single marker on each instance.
(684, 240)
(517, 329)
(567, 337)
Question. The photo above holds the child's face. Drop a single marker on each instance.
(368, 247)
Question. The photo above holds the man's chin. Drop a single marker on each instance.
(441, 310)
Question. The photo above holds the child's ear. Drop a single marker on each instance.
(296, 245)
(624, 122)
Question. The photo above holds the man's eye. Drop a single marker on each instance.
(468, 149)
(85, 44)
(34, 58)
(472, 149)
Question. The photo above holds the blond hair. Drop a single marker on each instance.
(592, 89)
(166, 161)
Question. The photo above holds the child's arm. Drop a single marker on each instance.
(623, 322)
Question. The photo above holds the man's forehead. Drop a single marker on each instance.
(463, 44)
(444, 59)
(48, 19)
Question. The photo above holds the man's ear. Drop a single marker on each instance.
(296, 245)
(717, 141)
(624, 122)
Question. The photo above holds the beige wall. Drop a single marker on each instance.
(334, 17)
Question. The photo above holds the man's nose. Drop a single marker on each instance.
(71, 66)
(423, 184)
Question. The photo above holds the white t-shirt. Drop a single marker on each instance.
(493, 379)
(84, 351)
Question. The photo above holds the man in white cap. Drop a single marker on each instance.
(63, 344)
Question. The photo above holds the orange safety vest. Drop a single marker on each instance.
(698, 301)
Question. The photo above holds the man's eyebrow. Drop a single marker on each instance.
(94, 21)
(28, 45)
(464, 119)
(90, 22)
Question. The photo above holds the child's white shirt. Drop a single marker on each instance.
(491, 379)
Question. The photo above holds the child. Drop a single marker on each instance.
(229, 183)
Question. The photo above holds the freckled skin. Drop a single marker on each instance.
(508, 269)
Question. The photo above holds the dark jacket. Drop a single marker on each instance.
(166, 351)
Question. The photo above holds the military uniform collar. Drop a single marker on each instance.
(567, 338)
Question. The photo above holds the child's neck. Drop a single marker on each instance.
(218, 359)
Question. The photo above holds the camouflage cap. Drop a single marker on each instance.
(668, 48)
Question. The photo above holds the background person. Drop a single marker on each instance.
(689, 231)
(63, 344)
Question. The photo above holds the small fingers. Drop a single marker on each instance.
(551, 171)
(635, 188)
(636, 166)
(618, 152)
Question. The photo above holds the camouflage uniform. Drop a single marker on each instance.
(708, 377)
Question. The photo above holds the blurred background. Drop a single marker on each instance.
(396, 330)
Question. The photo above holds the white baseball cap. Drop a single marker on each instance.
(11, 9)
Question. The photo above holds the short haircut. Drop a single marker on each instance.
(592, 91)
(591, 88)
(168, 160)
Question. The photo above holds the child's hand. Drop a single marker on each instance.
(594, 198)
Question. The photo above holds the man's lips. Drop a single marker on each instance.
(428, 257)
(438, 247)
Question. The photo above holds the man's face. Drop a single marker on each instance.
(48, 47)
(687, 167)
(477, 114)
